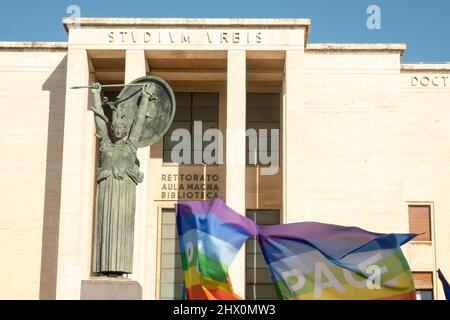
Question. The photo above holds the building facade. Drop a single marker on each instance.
(364, 141)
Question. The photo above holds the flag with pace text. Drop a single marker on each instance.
(306, 260)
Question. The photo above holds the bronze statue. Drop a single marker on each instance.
(141, 114)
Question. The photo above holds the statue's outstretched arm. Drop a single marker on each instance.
(147, 108)
(100, 119)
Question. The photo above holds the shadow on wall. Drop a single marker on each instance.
(56, 86)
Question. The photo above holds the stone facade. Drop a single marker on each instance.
(362, 137)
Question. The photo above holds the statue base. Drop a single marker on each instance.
(110, 289)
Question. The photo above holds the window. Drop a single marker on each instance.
(171, 277)
(423, 281)
(420, 221)
(192, 107)
(259, 283)
(424, 294)
(263, 112)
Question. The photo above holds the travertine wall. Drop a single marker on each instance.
(32, 95)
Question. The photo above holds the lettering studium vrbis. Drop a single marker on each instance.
(189, 186)
(184, 37)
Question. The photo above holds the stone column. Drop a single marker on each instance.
(136, 67)
(293, 151)
(77, 134)
(235, 152)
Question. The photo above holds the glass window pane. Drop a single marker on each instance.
(170, 246)
(171, 276)
(168, 144)
(205, 99)
(420, 222)
(258, 276)
(168, 218)
(169, 232)
(204, 113)
(255, 260)
(253, 246)
(262, 113)
(263, 100)
(262, 125)
(179, 125)
(209, 125)
(170, 261)
(261, 292)
(167, 156)
(182, 113)
(171, 291)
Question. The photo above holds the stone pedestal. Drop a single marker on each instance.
(110, 289)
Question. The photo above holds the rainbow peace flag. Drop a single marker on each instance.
(321, 261)
(210, 236)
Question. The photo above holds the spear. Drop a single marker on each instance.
(110, 86)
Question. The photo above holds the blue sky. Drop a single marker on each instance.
(423, 25)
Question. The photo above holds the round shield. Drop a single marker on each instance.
(156, 126)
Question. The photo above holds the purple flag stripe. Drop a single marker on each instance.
(221, 211)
